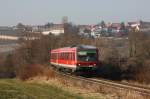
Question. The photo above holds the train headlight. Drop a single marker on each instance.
(94, 64)
(78, 64)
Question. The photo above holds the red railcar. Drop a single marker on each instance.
(81, 57)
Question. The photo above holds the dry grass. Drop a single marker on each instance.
(49, 73)
(75, 87)
(30, 71)
(79, 87)
(134, 95)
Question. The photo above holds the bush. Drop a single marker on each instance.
(144, 71)
(110, 71)
(7, 69)
(136, 70)
(49, 73)
(30, 71)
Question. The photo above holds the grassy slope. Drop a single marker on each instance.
(13, 89)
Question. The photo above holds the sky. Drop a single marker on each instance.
(36, 12)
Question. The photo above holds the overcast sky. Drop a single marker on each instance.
(35, 12)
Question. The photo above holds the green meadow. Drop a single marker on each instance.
(15, 89)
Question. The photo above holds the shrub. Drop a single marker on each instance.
(30, 71)
(144, 71)
(7, 69)
(49, 73)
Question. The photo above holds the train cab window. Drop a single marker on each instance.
(87, 55)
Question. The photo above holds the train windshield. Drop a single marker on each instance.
(89, 55)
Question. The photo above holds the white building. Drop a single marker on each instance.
(56, 29)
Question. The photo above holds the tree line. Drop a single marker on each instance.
(24, 61)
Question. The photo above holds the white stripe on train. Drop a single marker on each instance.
(64, 65)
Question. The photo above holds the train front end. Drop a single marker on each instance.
(87, 58)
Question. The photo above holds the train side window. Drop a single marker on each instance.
(70, 56)
(58, 55)
(52, 56)
(67, 56)
(73, 56)
(62, 56)
(55, 56)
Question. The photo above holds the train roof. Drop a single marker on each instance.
(75, 47)
(85, 47)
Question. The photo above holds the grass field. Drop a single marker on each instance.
(15, 89)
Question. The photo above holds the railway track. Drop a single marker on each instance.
(117, 87)
(139, 89)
